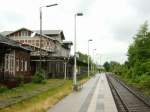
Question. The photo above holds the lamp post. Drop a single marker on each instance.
(93, 59)
(40, 9)
(88, 56)
(66, 60)
(75, 68)
(100, 56)
(65, 72)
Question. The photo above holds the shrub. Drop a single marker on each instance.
(136, 79)
(39, 76)
(3, 89)
(20, 80)
(145, 81)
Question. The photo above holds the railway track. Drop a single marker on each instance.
(126, 100)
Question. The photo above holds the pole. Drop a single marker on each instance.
(65, 70)
(75, 81)
(40, 35)
(88, 58)
(40, 52)
(93, 60)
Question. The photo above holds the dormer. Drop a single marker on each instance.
(55, 34)
(23, 32)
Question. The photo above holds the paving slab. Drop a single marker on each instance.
(94, 97)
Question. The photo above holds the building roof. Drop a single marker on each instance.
(52, 32)
(12, 43)
(45, 33)
(49, 31)
(6, 33)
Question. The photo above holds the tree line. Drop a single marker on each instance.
(136, 70)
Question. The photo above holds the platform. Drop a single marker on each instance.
(94, 97)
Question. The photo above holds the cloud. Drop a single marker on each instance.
(110, 23)
(141, 6)
(123, 22)
(124, 29)
(12, 17)
(118, 57)
(84, 5)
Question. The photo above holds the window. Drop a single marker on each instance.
(6, 62)
(37, 43)
(29, 41)
(37, 40)
(24, 33)
(47, 43)
(33, 42)
(16, 34)
(21, 41)
(17, 65)
(29, 33)
(21, 65)
(25, 66)
(19, 33)
(9, 63)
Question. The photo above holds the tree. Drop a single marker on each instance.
(139, 50)
(84, 57)
(107, 66)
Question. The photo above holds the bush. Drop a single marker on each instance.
(136, 79)
(20, 80)
(145, 81)
(39, 76)
(3, 89)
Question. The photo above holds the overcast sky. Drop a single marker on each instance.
(110, 23)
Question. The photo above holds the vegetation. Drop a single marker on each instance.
(84, 57)
(43, 101)
(40, 102)
(3, 89)
(27, 89)
(39, 76)
(135, 71)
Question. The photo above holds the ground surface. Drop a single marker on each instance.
(94, 97)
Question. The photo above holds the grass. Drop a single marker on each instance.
(137, 85)
(42, 101)
(26, 88)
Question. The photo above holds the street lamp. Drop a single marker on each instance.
(93, 59)
(99, 61)
(40, 9)
(88, 56)
(75, 68)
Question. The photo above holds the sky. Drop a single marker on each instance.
(111, 24)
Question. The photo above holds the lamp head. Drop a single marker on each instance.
(51, 5)
(90, 40)
(79, 14)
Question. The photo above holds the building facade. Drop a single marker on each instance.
(51, 47)
(14, 61)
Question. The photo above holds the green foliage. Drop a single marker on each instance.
(3, 89)
(136, 71)
(84, 57)
(145, 81)
(39, 76)
(106, 66)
